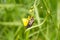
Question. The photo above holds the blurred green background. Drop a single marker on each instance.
(46, 15)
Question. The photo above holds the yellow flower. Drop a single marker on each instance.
(28, 21)
(25, 21)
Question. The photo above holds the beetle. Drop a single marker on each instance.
(30, 23)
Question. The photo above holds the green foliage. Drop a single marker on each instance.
(46, 15)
